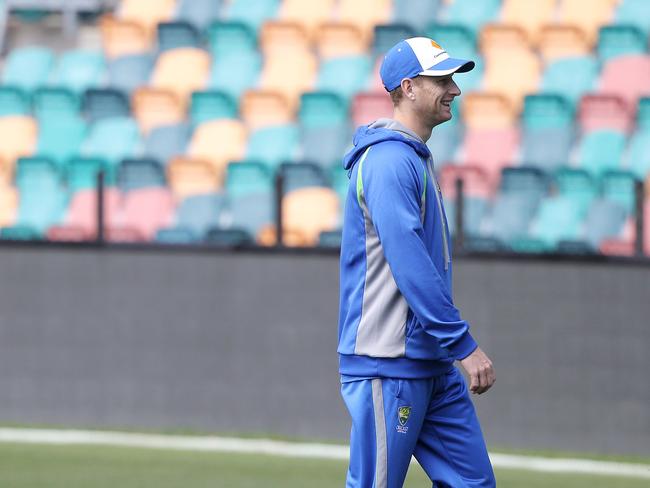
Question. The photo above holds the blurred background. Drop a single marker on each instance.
(171, 194)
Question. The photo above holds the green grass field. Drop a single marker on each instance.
(35, 466)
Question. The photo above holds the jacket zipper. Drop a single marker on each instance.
(443, 222)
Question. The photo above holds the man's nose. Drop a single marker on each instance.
(455, 91)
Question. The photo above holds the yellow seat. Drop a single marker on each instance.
(18, 138)
(289, 72)
(530, 16)
(339, 39)
(153, 107)
(279, 36)
(499, 39)
(219, 142)
(308, 14)
(365, 14)
(260, 108)
(515, 73)
(487, 111)
(123, 37)
(589, 15)
(562, 41)
(147, 12)
(188, 176)
(8, 204)
(182, 71)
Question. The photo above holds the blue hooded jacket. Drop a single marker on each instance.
(397, 317)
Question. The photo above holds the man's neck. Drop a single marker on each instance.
(410, 121)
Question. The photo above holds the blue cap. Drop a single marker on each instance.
(418, 56)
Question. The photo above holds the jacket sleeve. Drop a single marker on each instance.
(392, 190)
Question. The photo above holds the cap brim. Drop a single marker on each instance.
(449, 66)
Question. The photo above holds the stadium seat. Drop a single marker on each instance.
(638, 154)
(309, 14)
(55, 104)
(471, 14)
(600, 150)
(455, 38)
(289, 72)
(330, 239)
(13, 101)
(103, 103)
(546, 111)
(298, 175)
(620, 40)
(252, 12)
(324, 145)
(365, 14)
(28, 67)
(514, 74)
(605, 219)
(491, 149)
(219, 142)
(578, 186)
(124, 38)
(509, 217)
(8, 204)
(248, 177)
(525, 180)
(634, 12)
(530, 16)
(475, 210)
(386, 36)
(558, 218)
(278, 36)
(344, 76)
(264, 108)
(167, 141)
(200, 212)
(19, 138)
(199, 13)
(340, 182)
(571, 77)
(153, 107)
(368, 107)
(181, 71)
(446, 139)
(480, 244)
(250, 212)
(599, 112)
(273, 145)
(80, 221)
(112, 138)
(177, 35)
(563, 41)
(618, 186)
(61, 139)
(627, 77)
(643, 114)
(234, 73)
(212, 105)
(81, 173)
(189, 177)
(176, 235)
(322, 109)
(340, 39)
(487, 111)
(148, 13)
(475, 181)
(133, 174)
(234, 38)
(500, 40)
(228, 238)
(589, 16)
(20, 233)
(79, 69)
(418, 14)
(145, 211)
(128, 72)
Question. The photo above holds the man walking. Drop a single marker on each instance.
(399, 330)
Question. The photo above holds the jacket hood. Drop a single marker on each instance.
(380, 131)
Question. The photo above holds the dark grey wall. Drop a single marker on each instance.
(246, 343)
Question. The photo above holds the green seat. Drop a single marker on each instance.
(547, 111)
(634, 12)
(455, 38)
(643, 114)
(13, 101)
(252, 12)
(61, 139)
(558, 218)
(322, 109)
(82, 173)
(416, 13)
(230, 38)
(113, 139)
(471, 13)
(386, 36)
(620, 40)
(618, 186)
(234, 73)
(638, 155)
(578, 186)
(28, 67)
(176, 235)
(173, 35)
(301, 175)
(527, 181)
(80, 69)
(20, 233)
(246, 177)
(601, 150)
(136, 173)
(211, 105)
(273, 145)
(572, 77)
(528, 245)
(344, 76)
(55, 104)
(101, 103)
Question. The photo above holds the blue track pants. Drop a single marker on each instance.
(432, 419)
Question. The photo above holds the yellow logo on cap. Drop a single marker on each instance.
(436, 45)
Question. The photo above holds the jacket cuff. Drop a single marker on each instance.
(463, 347)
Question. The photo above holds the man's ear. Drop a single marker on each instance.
(407, 88)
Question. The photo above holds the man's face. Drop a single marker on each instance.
(433, 98)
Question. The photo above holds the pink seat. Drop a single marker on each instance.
(476, 181)
(81, 219)
(627, 77)
(120, 233)
(491, 149)
(601, 111)
(617, 247)
(368, 107)
(146, 210)
(69, 233)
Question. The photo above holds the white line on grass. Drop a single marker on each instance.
(295, 450)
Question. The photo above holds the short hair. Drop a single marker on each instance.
(396, 96)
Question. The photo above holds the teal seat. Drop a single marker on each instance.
(173, 35)
(340, 181)
(526, 181)
(301, 175)
(475, 210)
(130, 72)
(325, 146)
(572, 77)
(509, 217)
(605, 220)
(322, 109)
(81, 173)
(643, 114)
(61, 139)
(638, 155)
(634, 12)
(620, 40)
(578, 186)
(601, 150)
(252, 12)
(55, 104)
(112, 139)
(176, 235)
(454, 38)
(248, 177)
(251, 212)
(101, 103)
(228, 238)
(28, 67)
(344, 76)
(234, 73)
(273, 145)
(200, 13)
(478, 244)
(20, 233)
(472, 80)
(471, 13)
(136, 173)
(387, 35)
(200, 212)
(212, 105)
(167, 141)
(80, 69)
(558, 218)
(446, 138)
(547, 111)
(230, 38)
(618, 186)
(13, 101)
(330, 239)
(529, 245)
(416, 13)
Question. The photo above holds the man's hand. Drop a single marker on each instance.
(481, 373)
